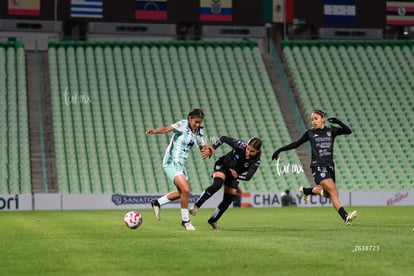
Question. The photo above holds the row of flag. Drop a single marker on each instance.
(336, 12)
(210, 10)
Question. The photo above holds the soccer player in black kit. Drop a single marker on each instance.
(239, 164)
(321, 138)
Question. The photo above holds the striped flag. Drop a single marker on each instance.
(339, 12)
(216, 10)
(86, 8)
(151, 10)
(400, 13)
(24, 7)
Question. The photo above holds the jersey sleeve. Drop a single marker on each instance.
(200, 137)
(293, 145)
(180, 126)
(250, 172)
(343, 129)
(234, 143)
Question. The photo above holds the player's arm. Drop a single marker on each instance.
(234, 143)
(160, 130)
(206, 150)
(292, 145)
(250, 172)
(344, 129)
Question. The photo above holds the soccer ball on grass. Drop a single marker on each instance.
(133, 219)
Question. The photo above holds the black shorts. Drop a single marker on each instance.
(321, 173)
(230, 181)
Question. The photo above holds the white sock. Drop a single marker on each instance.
(163, 200)
(184, 215)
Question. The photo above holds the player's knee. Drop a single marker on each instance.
(217, 184)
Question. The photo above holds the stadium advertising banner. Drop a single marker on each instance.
(49, 201)
(142, 201)
(16, 202)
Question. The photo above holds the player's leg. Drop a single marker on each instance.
(318, 174)
(157, 203)
(228, 197)
(306, 192)
(183, 187)
(330, 187)
(172, 171)
(218, 181)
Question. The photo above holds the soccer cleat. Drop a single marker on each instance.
(157, 208)
(214, 224)
(188, 226)
(305, 197)
(351, 216)
(193, 210)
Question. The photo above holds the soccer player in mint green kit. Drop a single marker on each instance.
(187, 133)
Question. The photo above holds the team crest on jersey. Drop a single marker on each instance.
(246, 165)
(329, 133)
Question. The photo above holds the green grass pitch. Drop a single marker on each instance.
(255, 241)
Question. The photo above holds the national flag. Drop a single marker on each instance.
(289, 11)
(279, 11)
(24, 7)
(216, 10)
(400, 13)
(338, 12)
(151, 9)
(86, 8)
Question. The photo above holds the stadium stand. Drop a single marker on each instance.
(368, 84)
(14, 138)
(105, 94)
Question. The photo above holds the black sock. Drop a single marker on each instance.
(211, 190)
(342, 213)
(227, 200)
(308, 191)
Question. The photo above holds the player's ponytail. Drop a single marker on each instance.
(256, 143)
(196, 113)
